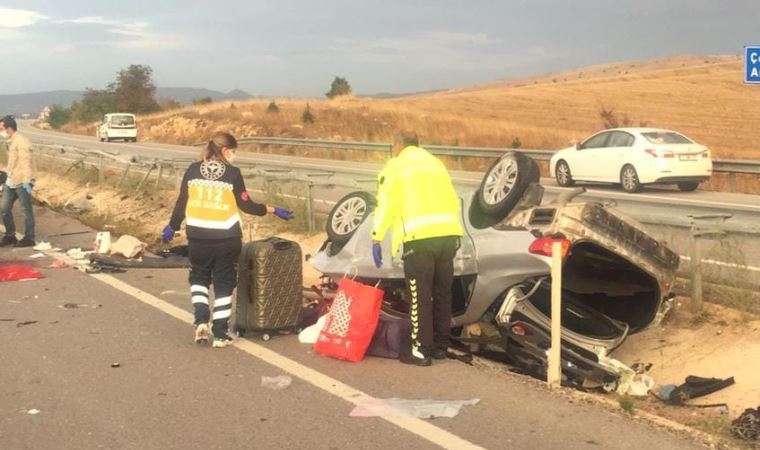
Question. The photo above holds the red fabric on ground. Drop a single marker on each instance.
(15, 272)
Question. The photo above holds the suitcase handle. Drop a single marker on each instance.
(282, 244)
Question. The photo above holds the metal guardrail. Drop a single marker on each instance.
(167, 168)
(745, 166)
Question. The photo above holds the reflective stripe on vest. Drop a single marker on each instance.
(423, 221)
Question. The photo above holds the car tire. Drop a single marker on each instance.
(347, 214)
(629, 179)
(563, 175)
(688, 186)
(505, 182)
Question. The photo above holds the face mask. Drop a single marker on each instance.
(231, 158)
(3, 134)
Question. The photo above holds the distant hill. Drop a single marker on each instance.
(32, 103)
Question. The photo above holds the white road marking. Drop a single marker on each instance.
(423, 429)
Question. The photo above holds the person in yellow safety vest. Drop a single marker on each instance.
(417, 198)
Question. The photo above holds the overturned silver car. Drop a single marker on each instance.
(617, 279)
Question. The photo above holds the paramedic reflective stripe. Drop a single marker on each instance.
(423, 221)
(213, 224)
(223, 301)
(197, 288)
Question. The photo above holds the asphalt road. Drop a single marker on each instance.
(169, 393)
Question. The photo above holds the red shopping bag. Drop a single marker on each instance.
(351, 321)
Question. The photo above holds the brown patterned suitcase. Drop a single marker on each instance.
(270, 282)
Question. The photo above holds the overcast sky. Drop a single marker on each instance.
(296, 47)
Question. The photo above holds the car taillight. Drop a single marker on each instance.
(660, 153)
(520, 329)
(543, 246)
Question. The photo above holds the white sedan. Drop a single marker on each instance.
(634, 157)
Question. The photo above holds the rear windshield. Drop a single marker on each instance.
(666, 137)
(122, 121)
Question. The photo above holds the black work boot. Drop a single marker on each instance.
(7, 241)
(415, 361)
(25, 243)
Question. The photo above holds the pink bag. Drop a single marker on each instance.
(351, 321)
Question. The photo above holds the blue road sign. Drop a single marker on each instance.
(752, 61)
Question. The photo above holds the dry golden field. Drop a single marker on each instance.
(701, 96)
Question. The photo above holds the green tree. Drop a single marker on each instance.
(339, 87)
(94, 104)
(273, 108)
(307, 116)
(134, 90)
(59, 116)
(202, 101)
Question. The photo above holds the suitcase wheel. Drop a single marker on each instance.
(265, 337)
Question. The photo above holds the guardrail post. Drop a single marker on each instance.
(695, 268)
(100, 170)
(124, 175)
(145, 178)
(702, 227)
(310, 220)
(554, 370)
(160, 173)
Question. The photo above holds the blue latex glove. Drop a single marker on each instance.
(283, 213)
(168, 234)
(377, 254)
(28, 187)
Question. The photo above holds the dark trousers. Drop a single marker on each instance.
(429, 271)
(10, 195)
(213, 261)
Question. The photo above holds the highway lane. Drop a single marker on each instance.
(654, 204)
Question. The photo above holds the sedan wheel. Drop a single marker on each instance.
(348, 214)
(505, 182)
(629, 179)
(562, 173)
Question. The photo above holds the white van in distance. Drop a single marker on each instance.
(117, 126)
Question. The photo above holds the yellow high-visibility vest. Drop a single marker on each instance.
(416, 196)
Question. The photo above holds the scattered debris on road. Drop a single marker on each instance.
(115, 365)
(276, 383)
(33, 412)
(43, 246)
(421, 409)
(59, 264)
(26, 322)
(693, 387)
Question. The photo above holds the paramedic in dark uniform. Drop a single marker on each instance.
(211, 195)
(416, 197)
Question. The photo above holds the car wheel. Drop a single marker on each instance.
(629, 179)
(563, 175)
(688, 186)
(505, 182)
(348, 214)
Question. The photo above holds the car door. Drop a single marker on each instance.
(585, 165)
(611, 158)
